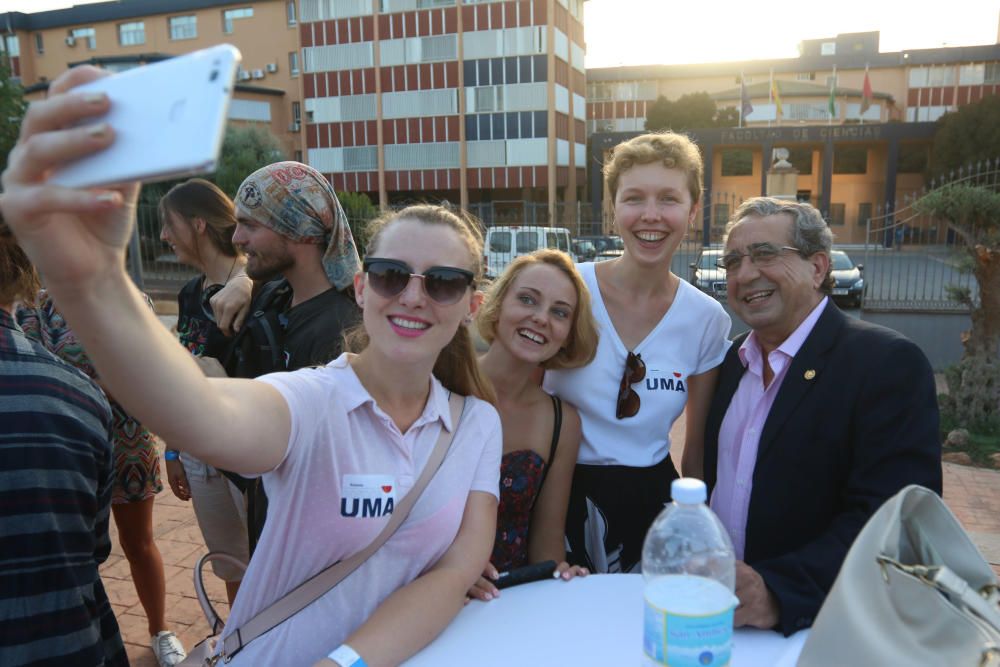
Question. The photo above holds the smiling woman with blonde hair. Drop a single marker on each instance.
(536, 316)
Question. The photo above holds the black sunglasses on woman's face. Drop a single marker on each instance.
(444, 285)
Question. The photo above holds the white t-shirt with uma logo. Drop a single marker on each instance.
(692, 338)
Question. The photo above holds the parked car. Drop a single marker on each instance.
(585, 251)
(850, 284)
(505, 242)
(707, 275)
(608, 247)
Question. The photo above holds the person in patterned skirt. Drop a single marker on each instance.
(136, 478)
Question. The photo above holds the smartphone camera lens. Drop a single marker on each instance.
(214, 75)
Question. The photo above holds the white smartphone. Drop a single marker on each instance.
(169, 119)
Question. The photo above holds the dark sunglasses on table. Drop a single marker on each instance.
(444, 285)
(628, 399)
(760, 254)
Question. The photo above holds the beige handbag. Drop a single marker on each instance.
(206, 653)
(913, 590)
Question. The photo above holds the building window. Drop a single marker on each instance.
(805, 76)
(801, 157)
(131, 34)
(290, 12)
(39, 43)
(12, 46)
(298, 156)
(183, 27)
(230, 15)
(828, 49)
(737, 162)
(850, 159)
(293, 63)
(837, 212)
(992, 73)
(720, 215)
(864, 214)
(85, 34)
(296, 112)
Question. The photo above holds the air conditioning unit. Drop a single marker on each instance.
(243, 76)
(258, 74)
(70, 40)
(272, 67)
(294, 126)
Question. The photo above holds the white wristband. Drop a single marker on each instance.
(345, 656)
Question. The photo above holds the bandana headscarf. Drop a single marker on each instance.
(296, 201)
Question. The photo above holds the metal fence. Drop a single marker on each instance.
(915, 262)
(912, 262)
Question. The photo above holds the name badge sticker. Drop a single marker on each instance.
(367, 496)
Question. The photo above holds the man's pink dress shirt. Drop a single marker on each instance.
(739, 435)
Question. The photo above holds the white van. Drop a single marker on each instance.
(504, 243)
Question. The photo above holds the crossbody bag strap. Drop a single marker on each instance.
(317, 586)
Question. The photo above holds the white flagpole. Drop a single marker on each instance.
(770, 91)
(743, 85)
(833, 96)
(861, 115)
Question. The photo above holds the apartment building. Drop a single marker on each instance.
(857, 153)
(478, 103)
(128, 33)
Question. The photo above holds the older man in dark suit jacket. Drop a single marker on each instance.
(817, 418)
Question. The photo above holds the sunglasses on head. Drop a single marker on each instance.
(628, 399)
(444, 285)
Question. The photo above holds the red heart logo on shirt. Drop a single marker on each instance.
(677, 375)
(387, 489)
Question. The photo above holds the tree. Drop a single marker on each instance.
(245, 149)
(688, 112)
(12, 108)
(967, 136)
(360, 211)
(974, 384)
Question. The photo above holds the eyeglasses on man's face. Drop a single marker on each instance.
(761, 255)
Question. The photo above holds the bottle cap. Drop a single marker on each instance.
(688, 490)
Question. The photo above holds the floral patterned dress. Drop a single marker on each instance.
(522, 473)
(136, 459)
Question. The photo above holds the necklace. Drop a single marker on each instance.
(232, 268)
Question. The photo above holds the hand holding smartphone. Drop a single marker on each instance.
(168, 117)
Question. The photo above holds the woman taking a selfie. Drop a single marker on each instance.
(661, 341)
(536, 316)
(324, 439)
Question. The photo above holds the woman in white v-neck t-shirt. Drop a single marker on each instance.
(661, 341)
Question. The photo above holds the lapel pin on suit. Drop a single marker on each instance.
(809, 374)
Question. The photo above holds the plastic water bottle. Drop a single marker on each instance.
(689, 571)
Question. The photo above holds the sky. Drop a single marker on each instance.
(649, 32)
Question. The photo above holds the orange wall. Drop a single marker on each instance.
(263, 38)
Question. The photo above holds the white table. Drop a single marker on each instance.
(596, 620)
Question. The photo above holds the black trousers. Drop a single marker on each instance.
(610, 510)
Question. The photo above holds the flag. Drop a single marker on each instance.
(866, 94)
(832, 104)
(745, 107)
(776, 95)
